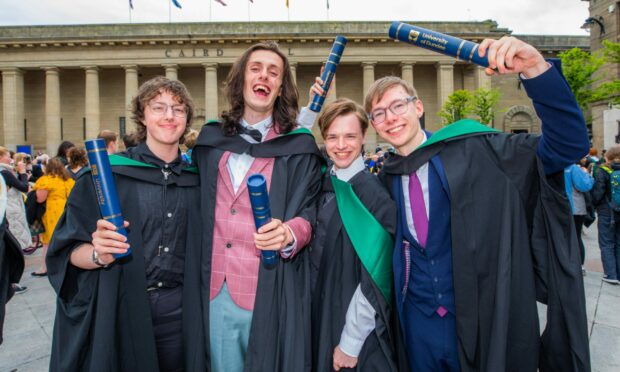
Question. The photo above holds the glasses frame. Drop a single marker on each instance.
(171, 107)
(407, 100)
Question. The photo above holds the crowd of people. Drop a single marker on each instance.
(427, 255)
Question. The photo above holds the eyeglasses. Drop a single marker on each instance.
(397, 107)
(158, 108)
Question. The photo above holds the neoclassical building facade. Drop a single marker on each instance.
(69, 82)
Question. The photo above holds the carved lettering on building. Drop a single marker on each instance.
(189, 53)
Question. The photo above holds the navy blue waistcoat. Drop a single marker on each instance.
(430, 281)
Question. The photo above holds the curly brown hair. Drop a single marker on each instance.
(286, 105)
(151, 89)
(55, 168)
(76, 156)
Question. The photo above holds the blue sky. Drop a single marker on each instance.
(557, 17)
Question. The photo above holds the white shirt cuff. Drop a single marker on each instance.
(359, 322)
(306, 118)
(287, 251)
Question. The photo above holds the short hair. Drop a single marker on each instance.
(108, 136)
(190, 139)
(56, 168)
(286, 105)
(593, 151)
(381, 86)
(20, 156)
(341, 107)
(3, 151)
(613, 154)
(151, 89)
(130, 140)
(76, 156)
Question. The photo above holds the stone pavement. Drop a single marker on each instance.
(29, 321)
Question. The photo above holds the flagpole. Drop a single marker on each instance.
(130, 14)
(210, 10)
(169, 11)
(249, 19)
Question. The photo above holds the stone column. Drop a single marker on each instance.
(13, 107)
(53, 136)
(445, 81)
(368, 69)
(294, 71)
(172, 71)
(481, 79)
(211, 91)
(406, 69)
(93, 116)
(131, 89)
(469, 78)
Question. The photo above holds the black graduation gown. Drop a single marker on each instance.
(280, 330)
(103, 316)
(513, 244)
(11, 268)
(337, 270)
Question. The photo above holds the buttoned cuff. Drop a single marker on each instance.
(301, 231)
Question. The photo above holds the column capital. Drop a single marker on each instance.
(407, 64)
(209, 65)
(170, 65)
(368, 65)
(445, 63)
(130, 67)
(91, 68)
(50, 69)
(293, 64)
(12, 71)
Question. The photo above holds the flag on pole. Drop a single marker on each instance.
(252, 1)
(287, 3)
(177, 4)
(221, 2)
(130, 4)
(327, 4)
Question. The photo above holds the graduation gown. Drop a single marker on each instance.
(11, 268)
(103, 316)
(337, 271)
(513, 244)
(280, 331)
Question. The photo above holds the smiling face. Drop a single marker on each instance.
(164, 128)
(344, 140)
(262, 83)
(401, 131)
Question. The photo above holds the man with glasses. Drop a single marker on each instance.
(128, 314)
(483, 228)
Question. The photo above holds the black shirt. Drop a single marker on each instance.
(20, 183)
(164, 223)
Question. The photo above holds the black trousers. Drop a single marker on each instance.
(578, 227)
(166, 311)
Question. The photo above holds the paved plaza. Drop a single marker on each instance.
(29, 321)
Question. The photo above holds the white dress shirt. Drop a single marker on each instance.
(360, 318)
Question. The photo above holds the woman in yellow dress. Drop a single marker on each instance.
(53, 189)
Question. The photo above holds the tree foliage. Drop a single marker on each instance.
(483, 104)
(457, 107)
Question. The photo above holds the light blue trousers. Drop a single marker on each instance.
(229, 327)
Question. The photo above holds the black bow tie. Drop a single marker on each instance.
(254, 133)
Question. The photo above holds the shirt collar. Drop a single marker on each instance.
(146, 156)
(347, 173)
(262, 126)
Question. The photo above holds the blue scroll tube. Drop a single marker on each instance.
(105, 187)
(329, 71)
(438, 42)
(259, 199)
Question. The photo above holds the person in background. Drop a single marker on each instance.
(61, 154)
(16, 179)
(190, 142)
(111, 141)
(77, 159)
(53, 189)
(577, 182)
(608, 215)
(130, 140)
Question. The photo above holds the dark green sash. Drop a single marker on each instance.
(456, 129)
(121, 160)
(372, 243)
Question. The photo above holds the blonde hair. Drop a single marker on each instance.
(381, 86)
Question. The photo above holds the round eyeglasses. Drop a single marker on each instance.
(397, 107)
(159, 108)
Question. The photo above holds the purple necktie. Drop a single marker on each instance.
(418, 209)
